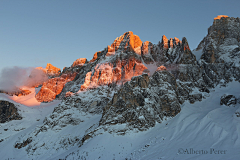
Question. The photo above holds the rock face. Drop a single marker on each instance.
(172, 51)
(143, 101)
(161, 68)
(228, 100)
(222, 41)
(53, 87)
(80, 61)
(95, 56)
(107, 73)
(126, 43)
(122, 60)
(8, 112)
(50, 70)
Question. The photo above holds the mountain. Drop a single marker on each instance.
(135, 100)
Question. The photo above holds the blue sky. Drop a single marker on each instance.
(34, 33)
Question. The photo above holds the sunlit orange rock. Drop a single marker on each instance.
(177, 41)
(172, 42)
(220, 16)
(51, 88)
(146, 52)
(105, 73)
(68, 94)
(95, 56)
(80, 61)
(165, 42)
(145, 48)
(186, 48)
(133, 68)
(50, 70)
(117, 74)
(161, 68)
(127, 42)
(110, 50)
(87, 81)
(53, 71)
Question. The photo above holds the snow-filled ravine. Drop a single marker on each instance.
(203, 130)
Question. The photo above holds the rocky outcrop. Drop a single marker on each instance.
(143, 101)
(95, 57)
(23, 144)
(53, 87)
(115, 72)
(186, 56)
(223, 38)
(8, 112)
(125, 43)
(161, 68)
(50, 70)
(168, 51)
(146, 51)
(80, 62)
(228, 100)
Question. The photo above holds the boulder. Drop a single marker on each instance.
(228, 100)
(8, 112)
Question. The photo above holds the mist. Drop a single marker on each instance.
(15, 77)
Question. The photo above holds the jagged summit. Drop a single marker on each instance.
(50, 70)
(79, 61)
(126, 43)
(125, 58)
(220, 16)
(170, 43)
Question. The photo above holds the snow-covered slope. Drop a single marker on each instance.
(203, 130)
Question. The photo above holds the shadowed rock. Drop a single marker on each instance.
(8, 112)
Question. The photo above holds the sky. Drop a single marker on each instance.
(34, 33)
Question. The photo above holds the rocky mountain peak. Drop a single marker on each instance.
(165, 42)
(185, 45)
(52, 70)
(225, 31)
(170, 43)
(80, 61)
(126, 43)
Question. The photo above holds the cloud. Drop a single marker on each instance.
(15, 77)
